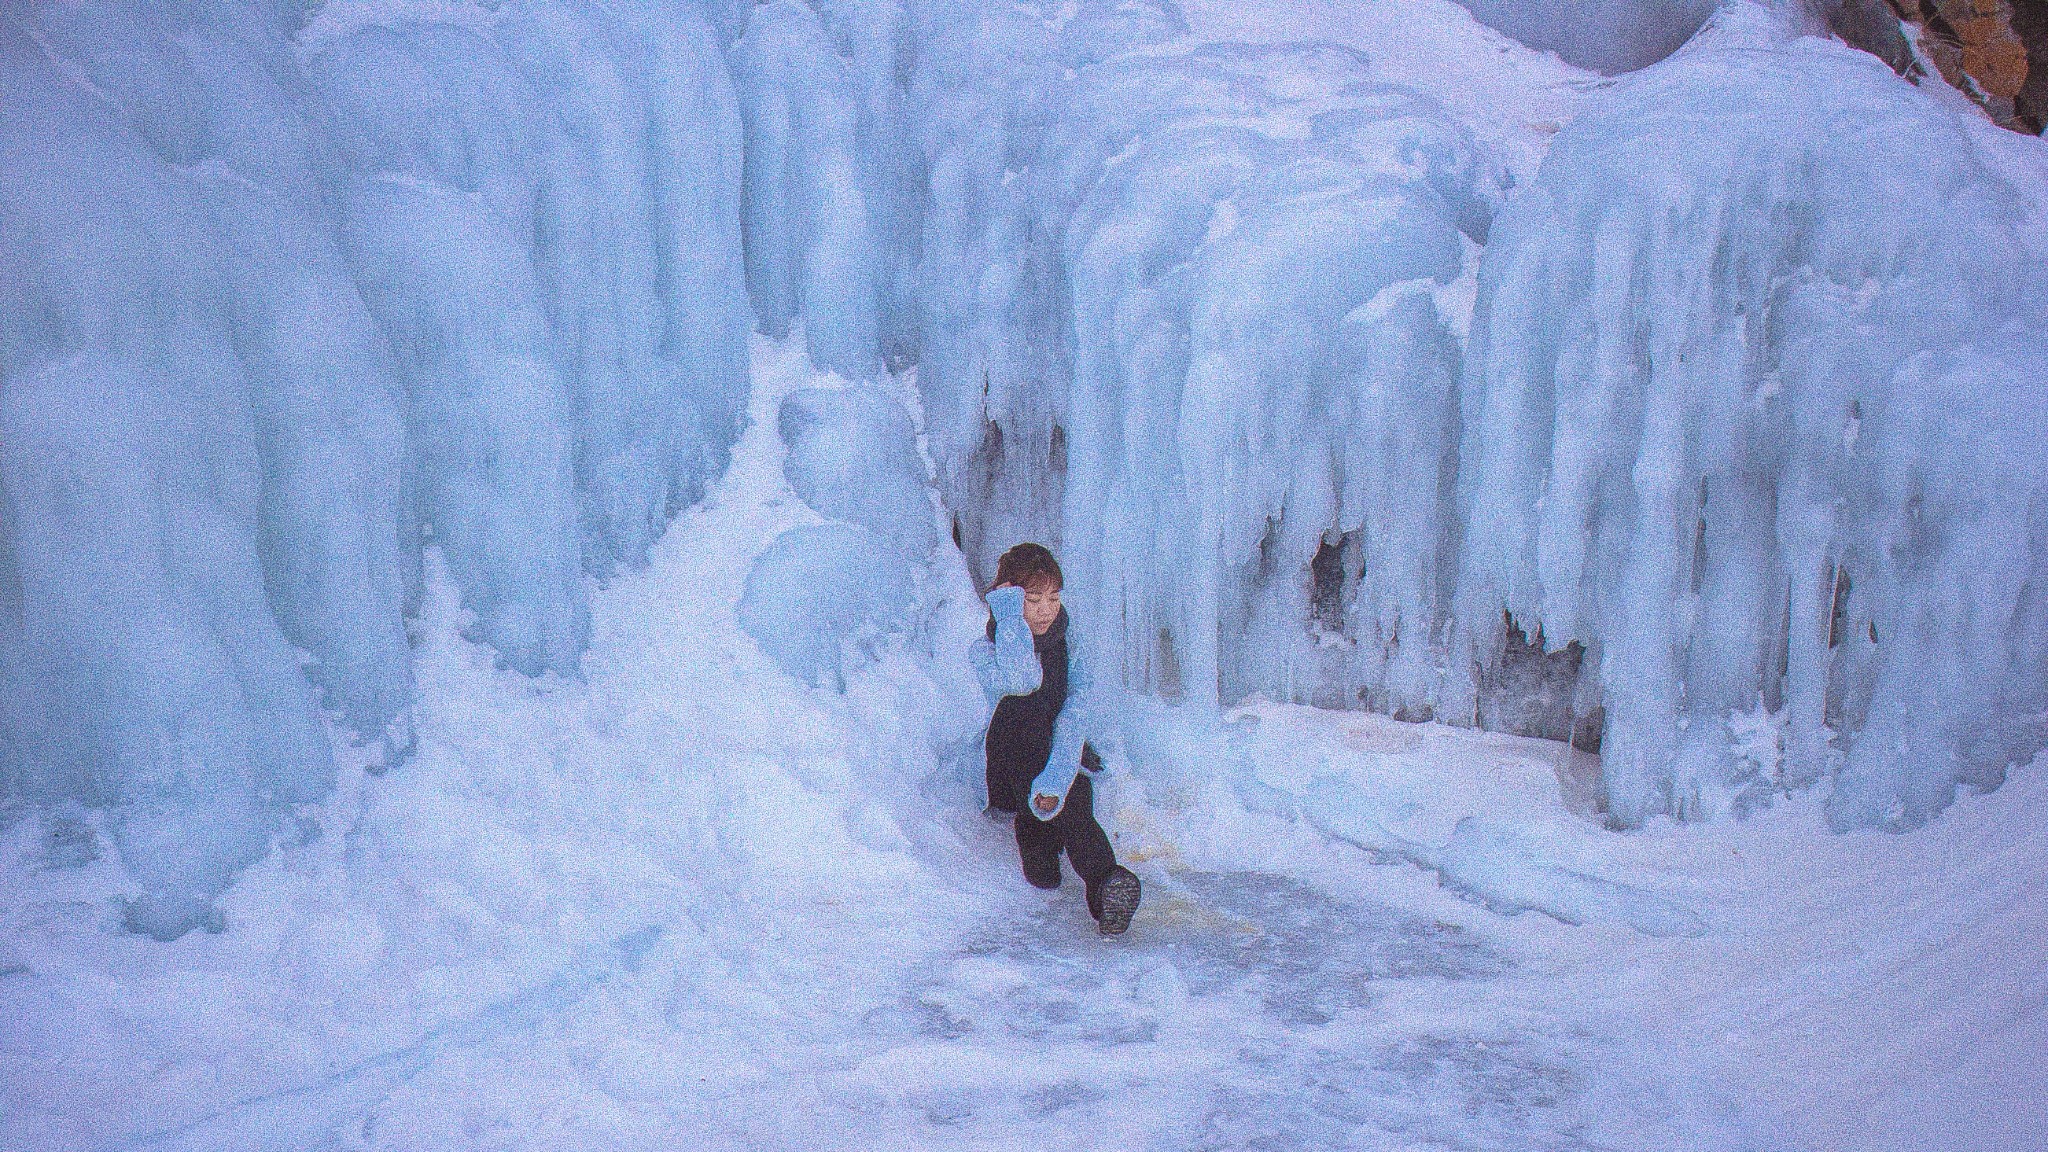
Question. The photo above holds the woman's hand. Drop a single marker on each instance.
(1007, 602)
(1046, 804)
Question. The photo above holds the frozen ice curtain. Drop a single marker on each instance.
(1313, 403)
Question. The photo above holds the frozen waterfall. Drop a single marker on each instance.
(1765, 437)
(1735, 407)
(280, 304)
(1324, 427)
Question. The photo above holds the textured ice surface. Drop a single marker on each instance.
(272, 311)
(1216, 306)
(822, 597)
(289, 291)
(811, 252)
(980, 102)
(1232, 259)
(689, 902)
(1417, 795)
(1075, 1026)
(542, 208)
(853, 456)
(199, 446)
(1713, 427)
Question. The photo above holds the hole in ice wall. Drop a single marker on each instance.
(1262, 569)
(1170, 686)
(1529, 691)
(1699, 542)
(11, 596)
(1057, 457)
(1586, 730)
(1838, 619)
(69, 842)
(1331, 580)
(973, 504)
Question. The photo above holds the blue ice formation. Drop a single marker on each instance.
(1213, 325)
(810, 251)
(1313, 405)
(1206, 319)
(279, 304)
(1716, 424)
(853, 457)
(824, 598)
(989, 317)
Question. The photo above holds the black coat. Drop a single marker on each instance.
(1019, 739)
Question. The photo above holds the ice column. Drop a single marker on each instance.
(277, 304)
(811, 253)
(200, 447)
(1716, 358)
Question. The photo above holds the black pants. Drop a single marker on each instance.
(1039, 843)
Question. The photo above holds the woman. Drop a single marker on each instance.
(1040, 767)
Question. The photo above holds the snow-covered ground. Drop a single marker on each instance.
(689, 903)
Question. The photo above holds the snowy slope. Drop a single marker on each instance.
(688, 821)
(1762, 984)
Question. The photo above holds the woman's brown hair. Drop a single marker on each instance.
(1030, 567)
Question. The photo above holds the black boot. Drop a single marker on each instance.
(1116, 900)
(1038, 850)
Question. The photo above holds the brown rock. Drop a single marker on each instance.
(1994, 50)
(2030, 24)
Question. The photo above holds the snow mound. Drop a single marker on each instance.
(822, 599)
(853, 457)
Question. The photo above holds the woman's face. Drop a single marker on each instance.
(1041, 608)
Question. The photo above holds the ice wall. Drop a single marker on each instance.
(811, 252)
(1182, 303)
(1255, 310)
(541, 208)
(277, 305)
(1724, 369)
(281, 302)
(1204, 319)
(992, 367)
